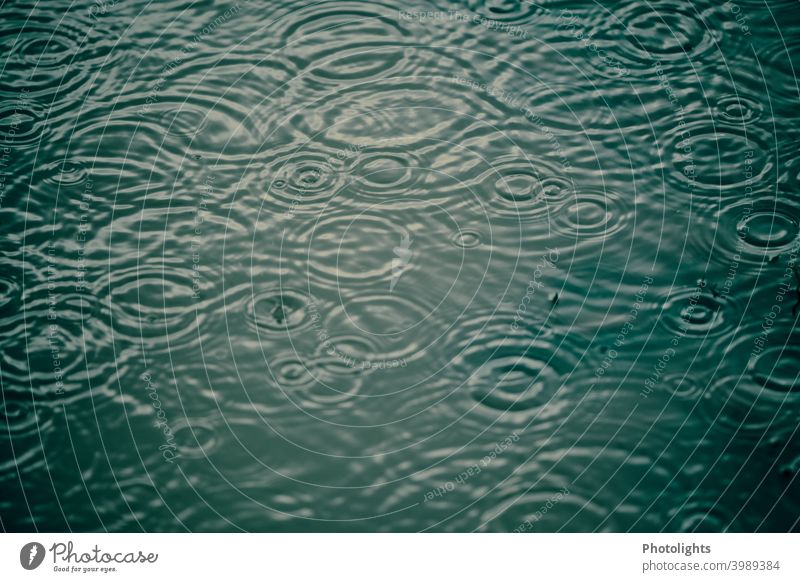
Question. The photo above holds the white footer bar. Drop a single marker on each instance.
(400, 557)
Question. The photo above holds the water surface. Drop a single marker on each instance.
(359, 266)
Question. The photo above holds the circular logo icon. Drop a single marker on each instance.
(31, 555)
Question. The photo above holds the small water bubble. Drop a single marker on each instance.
(278, 310)
(467, 239)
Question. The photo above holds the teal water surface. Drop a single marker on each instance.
(363, 266)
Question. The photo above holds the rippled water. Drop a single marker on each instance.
(360, 266)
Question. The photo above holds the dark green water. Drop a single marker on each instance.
(352, 266)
